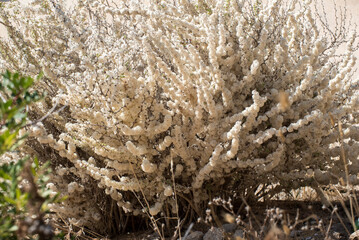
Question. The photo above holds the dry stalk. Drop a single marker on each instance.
(175, 195)
(153, 221)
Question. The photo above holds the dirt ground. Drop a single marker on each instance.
(304, 220)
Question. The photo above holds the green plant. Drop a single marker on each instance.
(23, 192)
(15, 97)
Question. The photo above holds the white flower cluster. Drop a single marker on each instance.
(221, 95)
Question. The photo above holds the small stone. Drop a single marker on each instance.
(229, 227)
(214, 234)
(313, 222)
(295, 233)
(338, 227)
(154, 236)
(238, 233)
(197, 235)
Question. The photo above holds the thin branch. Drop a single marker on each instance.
(52, 110)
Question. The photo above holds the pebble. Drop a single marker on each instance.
(238, 234)
(214, 234)
(229, 227)
(197, 235)
(295, 233)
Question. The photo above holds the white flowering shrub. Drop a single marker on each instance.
(193, 98)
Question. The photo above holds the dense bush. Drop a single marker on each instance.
(194, 98)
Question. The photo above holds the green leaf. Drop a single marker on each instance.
(20, 115)
(7, 74)
(18, 193)
(41, 74)
(10, 200)
(27, 82)
(36, 162)
(4, 175)
(46, 193)
(64, 198)
(33, 171)
(13, 228)
(3, 186)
